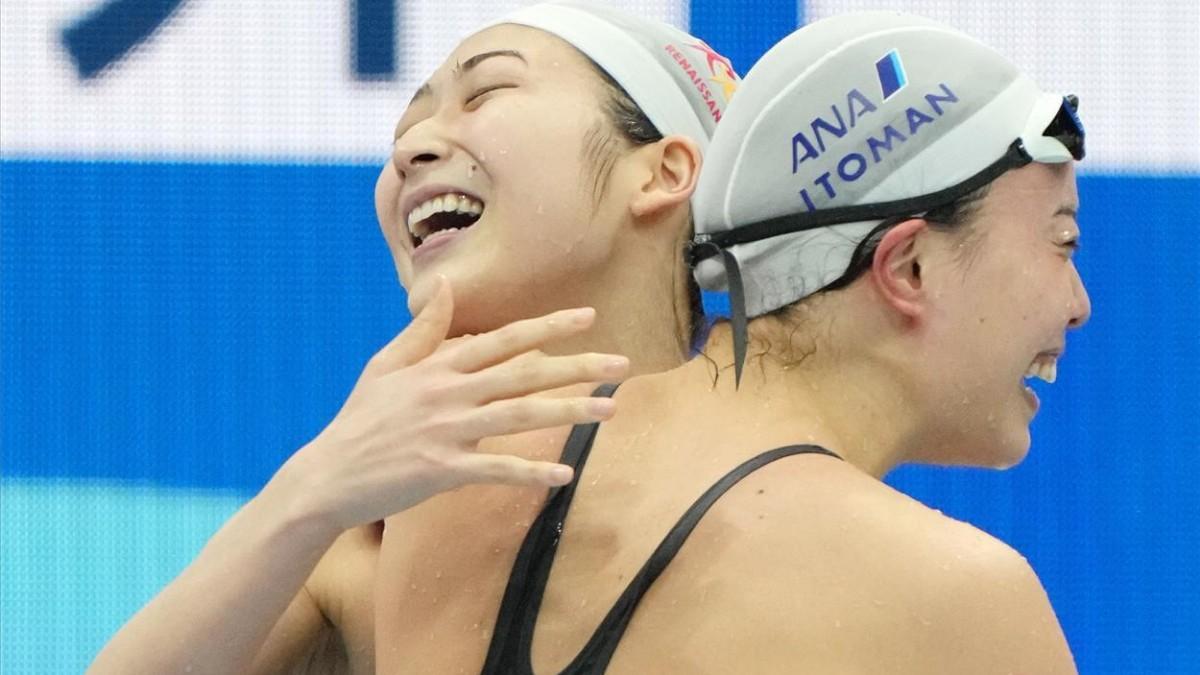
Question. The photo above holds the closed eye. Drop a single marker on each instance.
(474, 99)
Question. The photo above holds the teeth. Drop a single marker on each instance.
(1044, 368)
(447, 203)
(1050, 372)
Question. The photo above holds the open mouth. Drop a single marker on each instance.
(1044, 368)
(442, 215)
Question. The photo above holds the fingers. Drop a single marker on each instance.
(509, 470)
(423, 336)
(517, 338)
(527, 414)
(534, 372)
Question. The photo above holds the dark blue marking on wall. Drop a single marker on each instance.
(103, 36)
(374, 39)
(740, 32)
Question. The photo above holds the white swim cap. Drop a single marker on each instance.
(681, 83)
(845, 123)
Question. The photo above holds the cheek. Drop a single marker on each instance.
(387, 192)
(537, 170)
(531, 133)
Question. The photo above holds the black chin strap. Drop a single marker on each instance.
(737, 301)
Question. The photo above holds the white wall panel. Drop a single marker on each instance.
(244, 79)
(1134, 65)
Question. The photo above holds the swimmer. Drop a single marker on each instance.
(536, 206)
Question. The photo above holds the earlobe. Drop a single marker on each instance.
(896, 269)
(673, 165)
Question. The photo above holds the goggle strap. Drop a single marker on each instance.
(1016, 156)
(737, 315)
(737, 301)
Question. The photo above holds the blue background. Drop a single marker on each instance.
(183, 328)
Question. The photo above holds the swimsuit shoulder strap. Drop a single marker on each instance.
(597, 653)
(509, 650)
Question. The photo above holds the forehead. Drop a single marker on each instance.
(1037, 191)
(539, 48)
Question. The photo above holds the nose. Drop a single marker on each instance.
(420, 146)
(1081, 306)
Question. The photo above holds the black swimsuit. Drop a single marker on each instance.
(509, 653)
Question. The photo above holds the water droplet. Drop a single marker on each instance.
(583, 603)
(541, 209)
(633, 481)
(413, 587)
(438, 575)
(837, 623)
(503, 151)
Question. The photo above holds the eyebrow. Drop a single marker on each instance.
(470, 63)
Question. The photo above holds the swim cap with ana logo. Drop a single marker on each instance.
(848, 122)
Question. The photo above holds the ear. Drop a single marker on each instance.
(672, 169)
(896, 269)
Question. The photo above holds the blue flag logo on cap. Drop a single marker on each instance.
(891, 74)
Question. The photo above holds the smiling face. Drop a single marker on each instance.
(1001, 305)
(490, 185)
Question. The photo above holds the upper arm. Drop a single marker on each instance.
(302, 640)
(309, 637)
(1001, 620)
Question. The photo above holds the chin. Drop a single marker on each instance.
(1011, 452)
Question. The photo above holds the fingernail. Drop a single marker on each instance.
(561, 475)
(601, 407)
(582, 316)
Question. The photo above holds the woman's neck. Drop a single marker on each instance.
(641, 311)
(851, 406)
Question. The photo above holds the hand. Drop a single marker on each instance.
(411, 426)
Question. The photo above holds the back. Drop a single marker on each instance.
(806, 564)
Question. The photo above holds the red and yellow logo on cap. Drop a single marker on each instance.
(719, 72)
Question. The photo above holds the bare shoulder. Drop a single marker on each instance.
(971, 602)
(842, 573)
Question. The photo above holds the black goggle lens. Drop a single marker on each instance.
(1066, 127)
